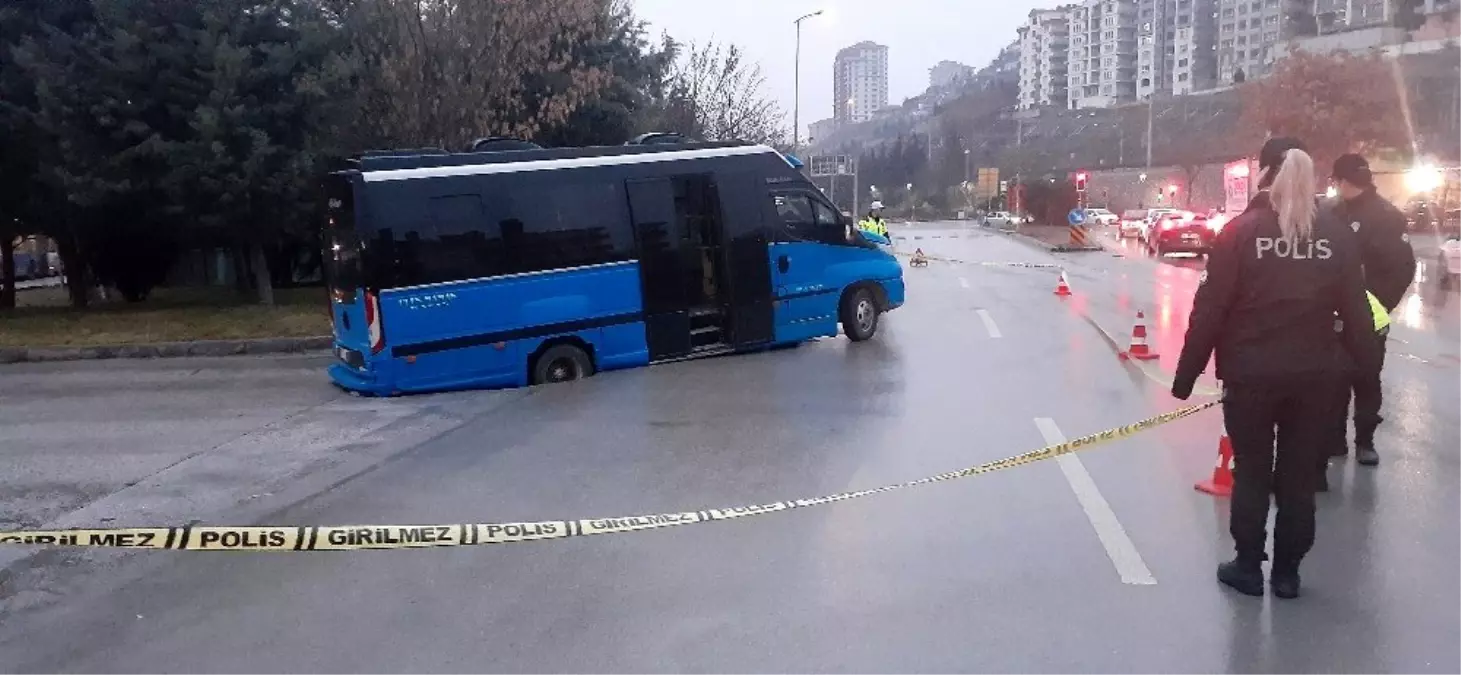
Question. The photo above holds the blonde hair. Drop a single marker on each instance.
(1292, 194)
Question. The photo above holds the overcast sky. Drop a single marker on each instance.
(918, 33)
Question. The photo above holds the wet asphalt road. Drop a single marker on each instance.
(1104, 564)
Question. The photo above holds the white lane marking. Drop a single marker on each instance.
(989, 323)
(1119, 548)
(963, 282)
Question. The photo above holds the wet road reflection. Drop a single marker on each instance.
(1132, 247)
(1429, 307)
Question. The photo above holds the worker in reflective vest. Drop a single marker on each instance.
(1389, 266)
(874, 222)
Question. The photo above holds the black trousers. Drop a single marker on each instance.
(1280, 431)
(1367, 399)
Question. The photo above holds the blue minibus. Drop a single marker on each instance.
(522, 267)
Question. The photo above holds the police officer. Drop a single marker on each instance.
(1276, 277)
(1389, 268)
(874, 222)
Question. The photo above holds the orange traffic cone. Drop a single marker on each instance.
(1139, 349)
(1221, 483)
(1062, 287)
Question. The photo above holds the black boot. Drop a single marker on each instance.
(1366, 455)
(1285, 580)
(1244, 575)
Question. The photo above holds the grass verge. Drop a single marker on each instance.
(42, 319)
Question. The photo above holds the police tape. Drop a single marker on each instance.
(377, 537)
(1031, 265)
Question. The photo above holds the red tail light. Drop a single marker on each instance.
(373, 323)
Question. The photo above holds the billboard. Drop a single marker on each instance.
(986, 185)
(1238, 182)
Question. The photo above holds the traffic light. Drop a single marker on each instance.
(1172, 189)
(1080, 181)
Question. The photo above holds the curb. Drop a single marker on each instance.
(164, 350)
(1064, 248)
(1053, 248)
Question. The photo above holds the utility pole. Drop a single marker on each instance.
(796, 105)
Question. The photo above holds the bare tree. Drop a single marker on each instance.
(443, 72)
(1334, 103)
(715, 93)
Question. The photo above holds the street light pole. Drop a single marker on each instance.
(796, 105)
(1150, 123)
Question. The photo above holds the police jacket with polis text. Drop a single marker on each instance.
(1385, 254)
(1267, 306)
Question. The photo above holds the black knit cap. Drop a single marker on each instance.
(1274, 150)
(1354, 170)
(1271, 157)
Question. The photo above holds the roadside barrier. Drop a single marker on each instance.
(1078, 235)
(379, 537)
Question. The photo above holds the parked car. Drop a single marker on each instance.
(1100, 216)
(998, 219)
(1181, 232)
(1448, 263)
(1132, 222)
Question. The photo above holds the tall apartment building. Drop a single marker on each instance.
(1196, 36)
(1044, 47)
(1102, 69)
(1156, 53)
(1177, 42)
(859, 82)
(1341, 14)
(1338, 15)
(1249, 32)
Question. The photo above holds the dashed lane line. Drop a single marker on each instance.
(1119, 547)
(989, 324)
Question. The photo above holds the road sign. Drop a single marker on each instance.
(987, 183)
(1076, 216)
(832, 165)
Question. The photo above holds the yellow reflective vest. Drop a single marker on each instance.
(1377, 310)
(875, 226)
